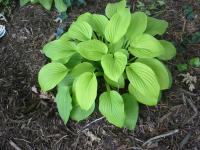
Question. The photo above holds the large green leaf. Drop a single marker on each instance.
(67, 81)
(124, 51)
(113, 8)
(162, 72)
(34, 1)
(62, 60)
(113, 47)
(64, 102)
(119, 84)
(86, 90)
(24, 2)
(98, 23)
(79, 30)
(59, 49)
(118, 25)
(169, 50)
(74, 60)
(50, 75)
(92, 49)
(156, 26)
(114, 65)
(46, 3)
(60, 5)
(143, 98)
(79, 114)
(131, 111)
(111, 106)
(144, 84)
(146, 46)
(137, 26)
(81, 68)
(85, 17)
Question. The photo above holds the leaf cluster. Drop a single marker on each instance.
(119, 48)
(6, 7)
(61, 5)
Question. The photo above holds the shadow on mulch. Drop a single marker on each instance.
(27, 122)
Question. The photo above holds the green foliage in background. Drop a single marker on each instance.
(188, 12)
(61, 5)
(4, 2)
(5, 7)
(119, 48)
(152, 6)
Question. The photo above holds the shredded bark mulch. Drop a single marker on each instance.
(29, 122)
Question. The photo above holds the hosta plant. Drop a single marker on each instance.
(61, 5)
(117, 54)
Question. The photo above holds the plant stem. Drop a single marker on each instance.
(98, 74)
(107, 87)
(132, 59)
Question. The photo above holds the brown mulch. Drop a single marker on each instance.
(28, 122)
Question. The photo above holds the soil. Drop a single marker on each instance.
(29, 122)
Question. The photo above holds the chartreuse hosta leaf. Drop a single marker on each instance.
(59, 49)
(146, 46)
(131, 109)
(118, 25)
(60, 5)
(79, 114)
(112, 8)
(111, 105)
(113, 47)
(81, 68)
(86, 90)
(114, 65)
(74, 60)
(119, 84)
(162, 73)
(67, 81)
(80, 30)
(46, 3)
(64, 102)
(85, 17)
(97, 22)
(24, 2)
(92, 49)
(156, 26)
(50, 75)
(124, 51)
(169, 50)
(143, 83)
(137, 26)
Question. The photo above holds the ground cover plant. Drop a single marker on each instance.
(118, 47)
(5, 7)
(61, 5)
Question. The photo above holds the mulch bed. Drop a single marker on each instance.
(28, 122)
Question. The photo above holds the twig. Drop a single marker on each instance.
(193, 107)
(76, 142)
(86, 126)
(14, 145)
(23, 140)
(164, 117)
(61, 139)
(133, 4)
(188, 93)
(134, 148)
(185, 140)
(184, 24)
(160, 136)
